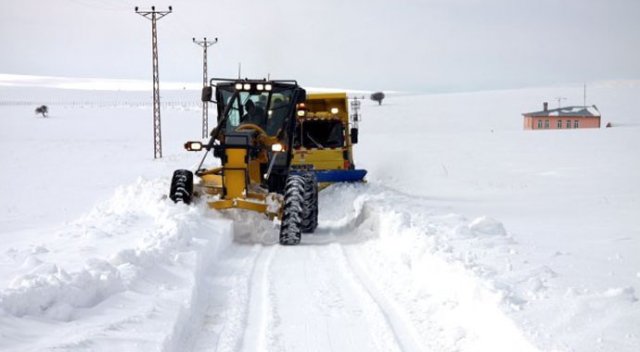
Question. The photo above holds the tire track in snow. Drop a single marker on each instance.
(405, 334)
(319, 305)
(226, 315)
(257, 316)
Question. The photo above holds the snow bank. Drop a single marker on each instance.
(54, 293)
(567, 200)
(443, 297)
(153, 246)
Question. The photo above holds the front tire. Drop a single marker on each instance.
(310, 213)
(181, 186)
(293, 211)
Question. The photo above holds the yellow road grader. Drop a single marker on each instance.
(324, 138)
(275, 143)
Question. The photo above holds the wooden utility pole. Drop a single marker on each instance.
(154, 16)
(205, 105)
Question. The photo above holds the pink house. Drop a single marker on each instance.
(567, 117)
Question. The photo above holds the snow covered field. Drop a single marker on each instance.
(471, 234)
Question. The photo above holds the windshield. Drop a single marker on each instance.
(266, 109)
(320, 134)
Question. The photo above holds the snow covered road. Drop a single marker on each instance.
(301, 300)
(329, 294)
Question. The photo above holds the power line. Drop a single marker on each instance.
(205, 106)
(154, 16)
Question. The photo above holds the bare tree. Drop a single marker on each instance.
(377, 96)
(44, 110)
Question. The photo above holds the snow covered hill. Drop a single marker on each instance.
(471, 234)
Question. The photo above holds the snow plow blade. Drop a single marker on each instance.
(333, 176)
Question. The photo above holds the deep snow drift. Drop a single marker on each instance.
(471, 234)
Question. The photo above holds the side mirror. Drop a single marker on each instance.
(301, 96)
(207, 93)
(354, 136)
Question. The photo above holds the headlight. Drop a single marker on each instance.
(238, 86)
(267, 87)
(334, 110)
(247, 86)
(193, 146)
(277, 147)
(260, 86)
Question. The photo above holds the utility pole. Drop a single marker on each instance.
(355, 110)
(154, 16)
(205, 105)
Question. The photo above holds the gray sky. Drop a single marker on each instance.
(420, 45)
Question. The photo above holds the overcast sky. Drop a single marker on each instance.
(420, 45)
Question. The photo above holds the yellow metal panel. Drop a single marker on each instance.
(236, 158)
(331, 95)
(258, 196)
(221, 204)
(254, 172)
(235, 173)
(238, 203)
(212, 180)
(321, 159)
(235, 181)
(214, 171)
(259, 207)
(318, 103)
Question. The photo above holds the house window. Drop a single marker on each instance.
(539, 123)
(559, 123)
(576, 124)
(568, 123)
(546, 123)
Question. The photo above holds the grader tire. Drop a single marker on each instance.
(292, 215)
(181, 186)
(310, 208)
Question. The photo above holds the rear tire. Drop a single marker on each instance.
(181, 186)
(292, 214)
(310, 213)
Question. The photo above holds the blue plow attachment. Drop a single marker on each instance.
(340, 175)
